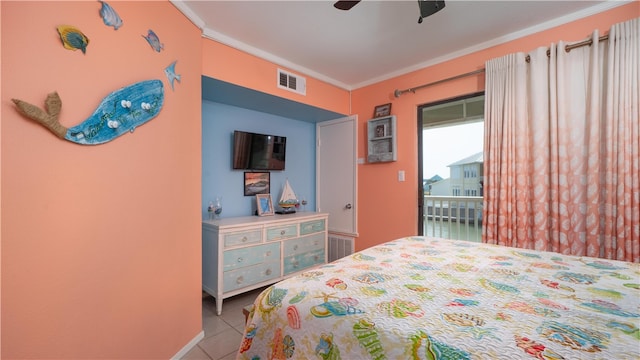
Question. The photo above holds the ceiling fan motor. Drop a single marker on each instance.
(427, 7)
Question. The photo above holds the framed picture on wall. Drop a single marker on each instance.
(257, 183)
(382, 110)
(264, 204)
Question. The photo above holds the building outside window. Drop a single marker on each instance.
(471, 169)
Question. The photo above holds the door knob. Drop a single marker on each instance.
(348, 206)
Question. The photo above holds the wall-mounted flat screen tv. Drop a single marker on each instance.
(253, 151)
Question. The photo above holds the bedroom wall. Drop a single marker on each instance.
(218, 123)
(225, 63)
(375, 225)
(101, 252)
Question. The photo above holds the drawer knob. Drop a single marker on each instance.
(282, 232)
(315, 258)
(239, 280)
(240, 259)
(315, 242)
(295, 264)
(244, 239)
(295, 247)
(268, 272)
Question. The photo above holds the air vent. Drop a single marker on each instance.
(292, 82)
(340, 246)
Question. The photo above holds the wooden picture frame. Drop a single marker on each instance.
(257, 183)
(264, 205)
(382, 110)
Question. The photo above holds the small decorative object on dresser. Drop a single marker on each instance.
(288, 200)
(382, 110)
(264, 204)
(240, 254)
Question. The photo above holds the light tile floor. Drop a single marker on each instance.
(222, 334)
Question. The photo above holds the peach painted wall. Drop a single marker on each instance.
(101, 245)
(393, 213)
(228, 64)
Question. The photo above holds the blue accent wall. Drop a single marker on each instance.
(227, 93)
(218, 179)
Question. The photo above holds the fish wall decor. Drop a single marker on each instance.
(120, 112)
(72, 38)
(170, 71)
(153, 41)
(109, 16)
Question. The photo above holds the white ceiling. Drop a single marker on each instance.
(375, 40)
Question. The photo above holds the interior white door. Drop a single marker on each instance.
(336, 161)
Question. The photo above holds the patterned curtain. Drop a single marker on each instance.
(562, 148)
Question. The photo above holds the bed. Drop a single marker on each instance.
(429, 298)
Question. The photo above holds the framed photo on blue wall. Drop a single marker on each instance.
(257, 183)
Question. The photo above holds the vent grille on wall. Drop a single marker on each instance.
(340, 246)
(292, 82)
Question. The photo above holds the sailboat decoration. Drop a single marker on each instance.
(288, 200)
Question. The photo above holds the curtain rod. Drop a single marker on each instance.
(567, 48)
(397, 93)
(570, 47)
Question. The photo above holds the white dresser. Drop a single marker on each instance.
(240, 254)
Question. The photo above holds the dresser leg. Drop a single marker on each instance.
(219, 305)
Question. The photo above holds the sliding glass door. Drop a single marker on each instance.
(450, 168)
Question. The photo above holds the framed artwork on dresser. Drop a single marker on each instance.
(264, 204)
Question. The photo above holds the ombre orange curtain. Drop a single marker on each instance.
(562, 148)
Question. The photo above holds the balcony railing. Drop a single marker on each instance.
(453, 217)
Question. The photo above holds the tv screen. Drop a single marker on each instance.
(253, 151)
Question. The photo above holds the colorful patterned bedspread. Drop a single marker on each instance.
(426, 298)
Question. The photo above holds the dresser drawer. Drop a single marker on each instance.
(247, 276)
(242, 238)
(303, 244)
(303, 261)
(252, 255)
(302, 253)
(282, 232)
(309, 227)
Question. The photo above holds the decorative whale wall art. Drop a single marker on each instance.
(120, 112)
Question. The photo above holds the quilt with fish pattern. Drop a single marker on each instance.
(429, 298)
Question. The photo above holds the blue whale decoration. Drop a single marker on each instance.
(120, 112)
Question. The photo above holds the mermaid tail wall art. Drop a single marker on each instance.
(120, 112)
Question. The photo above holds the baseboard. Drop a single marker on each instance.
(189, 346)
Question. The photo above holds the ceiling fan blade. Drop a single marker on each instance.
(345, 5)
